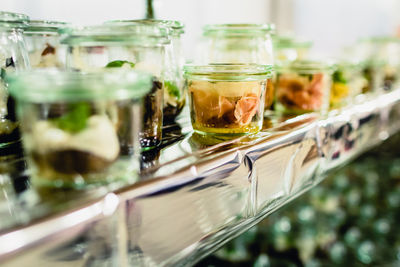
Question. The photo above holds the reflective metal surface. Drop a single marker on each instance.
(196, 193)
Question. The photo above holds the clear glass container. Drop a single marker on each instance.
(227, 99)
(287, 48)
(237, 43)
(124, 45)
(43, 44)
(303, 86)
(174, 94)
(381, 56)
(74, 132)
(347, 82)
(13, 57)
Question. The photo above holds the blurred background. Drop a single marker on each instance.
(330, 24)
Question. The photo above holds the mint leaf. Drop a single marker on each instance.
(75, 120)
(172, 89)
(119, 64)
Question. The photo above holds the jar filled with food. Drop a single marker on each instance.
(130, 46)
(43, 44)
(303, 86)
(74, 132)
(381, 56)
(287, 48)
(174, 94)
(13, 57)
(237, 43)
(227, 99)
(347, 82)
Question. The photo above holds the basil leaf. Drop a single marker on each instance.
(119, 64)
(172, 89)
(75, 120)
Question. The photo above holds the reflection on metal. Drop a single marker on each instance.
(195, 195)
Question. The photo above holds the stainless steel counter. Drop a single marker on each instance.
(195, 195)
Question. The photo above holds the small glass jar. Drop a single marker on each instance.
(347, 82)
(74, 132)
(124, 45)
(287, 48)
(382, 62)
(174, 94)
(43, 44)
(227, 99)
(13, 57)
(303, 86)
(237, 43)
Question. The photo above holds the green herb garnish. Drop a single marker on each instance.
(338, 77)
(75, 120)
(172, 89)
(119, 64)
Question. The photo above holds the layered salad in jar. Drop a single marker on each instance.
(347, 82)
(73, 132)
(303, 86)
(151, 133)
(9, 131)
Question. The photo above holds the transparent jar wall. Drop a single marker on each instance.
(298, 93)
(373, 73)
(174, 93)
(236, 49)
(290, 53)
(13, 57)
(45, 51)
(226, 107)
(98, 153)
(149, 59)
(391, 70)
(382, 64)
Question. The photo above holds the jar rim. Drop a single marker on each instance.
(51, 26)
(174, 26)
(11, 19)
(282, 41)
(306, 66)
(229, 71)
(114, 33)
(381, 39)
(232, 29)
(49, 86)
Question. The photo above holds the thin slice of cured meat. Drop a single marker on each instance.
(225, 106)
(246, 108)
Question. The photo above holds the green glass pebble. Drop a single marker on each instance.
(262, 261)
(338, 252)
(366, 251)
(382, 226)
(352, 236)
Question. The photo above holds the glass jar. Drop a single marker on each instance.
(124, 45)
(13, 57)
(174, 94)
(237, 43)
(372, 71)
(227, 99)
(382, 61)
(287, 48)
(347, 82)
(303, 86)
(74, 132)
(43, 44)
